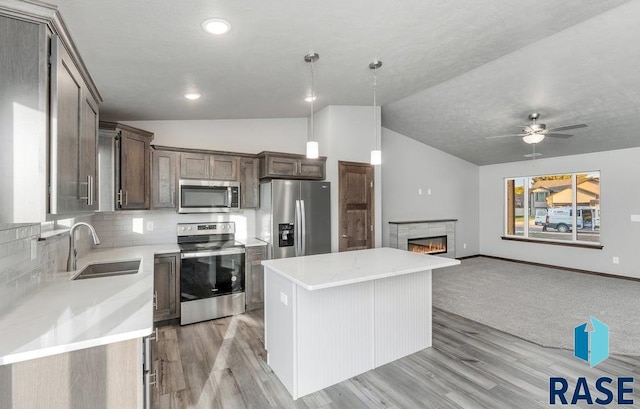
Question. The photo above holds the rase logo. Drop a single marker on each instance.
(592, 347)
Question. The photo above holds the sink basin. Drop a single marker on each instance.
(118, 268)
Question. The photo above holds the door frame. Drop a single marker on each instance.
(372, 197)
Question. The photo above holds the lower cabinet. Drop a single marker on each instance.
(106, 377)
(166, 287)
(254, 277)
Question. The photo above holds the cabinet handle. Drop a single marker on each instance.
(154, 375)
(126, 197)
(88, 196)
(154, 337)
(91, 190)
(155, 300)
(119, 198)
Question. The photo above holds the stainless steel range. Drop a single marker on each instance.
(212, 272)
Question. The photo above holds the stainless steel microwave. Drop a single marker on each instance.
(208, 196)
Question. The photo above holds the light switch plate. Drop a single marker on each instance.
(284, 299)
(149, 226)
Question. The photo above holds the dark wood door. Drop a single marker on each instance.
(249, 183)
(223, 167)
(166, 287)
(135, 172)
(164, 179)
(356, 207)
(194, 166)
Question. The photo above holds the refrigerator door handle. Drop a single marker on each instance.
(303, 233)
(296, 229)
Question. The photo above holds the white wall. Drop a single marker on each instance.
(409, 165)
(346, 133)
(233, 135)
(620, 198)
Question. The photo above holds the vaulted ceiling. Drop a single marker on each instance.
(454, 71)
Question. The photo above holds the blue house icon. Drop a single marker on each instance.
(596, 341)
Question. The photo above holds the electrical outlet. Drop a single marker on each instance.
(149, 226)
(284, 299)
(428, 191)
(420, 191)
(464, 246)
(34, 249)
(616, 260)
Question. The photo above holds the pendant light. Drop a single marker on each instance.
(376, 153)
(312, 144)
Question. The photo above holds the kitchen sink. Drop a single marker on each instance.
(117, 268)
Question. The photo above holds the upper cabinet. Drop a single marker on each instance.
(249, 189)
(208, 166)
(164, 179)
(48, 118)
(132, 166)
(289, 166)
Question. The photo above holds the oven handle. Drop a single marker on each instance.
(225, 252)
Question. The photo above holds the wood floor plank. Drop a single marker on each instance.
(222, 364)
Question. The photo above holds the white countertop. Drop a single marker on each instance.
(252, 242)
(65, 315)
(336, 269)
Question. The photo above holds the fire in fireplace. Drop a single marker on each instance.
(428, 245)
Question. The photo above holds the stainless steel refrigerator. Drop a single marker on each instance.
(295, 217)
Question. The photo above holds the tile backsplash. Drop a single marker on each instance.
(144, 227)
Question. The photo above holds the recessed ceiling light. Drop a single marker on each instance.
(192, 95)
(216, 26)
(309, 98)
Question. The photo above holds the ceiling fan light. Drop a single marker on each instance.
(533, 138)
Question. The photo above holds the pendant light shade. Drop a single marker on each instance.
(312, 145)
(312, 150)
(376, 153)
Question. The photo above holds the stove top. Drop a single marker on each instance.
(195, 237)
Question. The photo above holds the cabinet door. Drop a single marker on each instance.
(255, 277)
(311, 168)
(194, 166)
(135, 172)
(166, 287)
(66, 107)
(89, 154)
(277, 166)
(249, 183)
(164, 179)
(223, 167)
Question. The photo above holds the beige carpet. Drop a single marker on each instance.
(540, 304)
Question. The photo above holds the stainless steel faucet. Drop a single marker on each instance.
(73, 253)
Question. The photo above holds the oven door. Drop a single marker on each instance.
(206, 196)
(209, 274)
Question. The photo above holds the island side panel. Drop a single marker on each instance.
(279, 327)
(335, 335)
(403, 320)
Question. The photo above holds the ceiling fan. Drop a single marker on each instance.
(535, 132)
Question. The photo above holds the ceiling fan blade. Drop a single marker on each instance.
(568, 127)
(504, 136)
(559, 135)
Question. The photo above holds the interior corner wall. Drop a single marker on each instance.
(620, 198)
(346, 133)
(232, 135)
(409, 165)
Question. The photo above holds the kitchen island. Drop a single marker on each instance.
(330, 317)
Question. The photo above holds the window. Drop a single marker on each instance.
(548, 207)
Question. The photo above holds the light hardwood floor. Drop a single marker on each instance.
(222, 364)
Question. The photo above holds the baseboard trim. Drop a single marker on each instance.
(575, 270)
(467, 257)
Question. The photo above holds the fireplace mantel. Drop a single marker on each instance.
(401, 231)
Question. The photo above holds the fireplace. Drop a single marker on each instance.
(428, 245)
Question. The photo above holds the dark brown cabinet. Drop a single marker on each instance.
(254, 276)
(223, 167)
(166, 287)
(282, 165)
(249, 193)
(194, 165)
(74, 137)
(132, 165)
(164, 179)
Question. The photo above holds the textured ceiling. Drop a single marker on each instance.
(454, 71)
